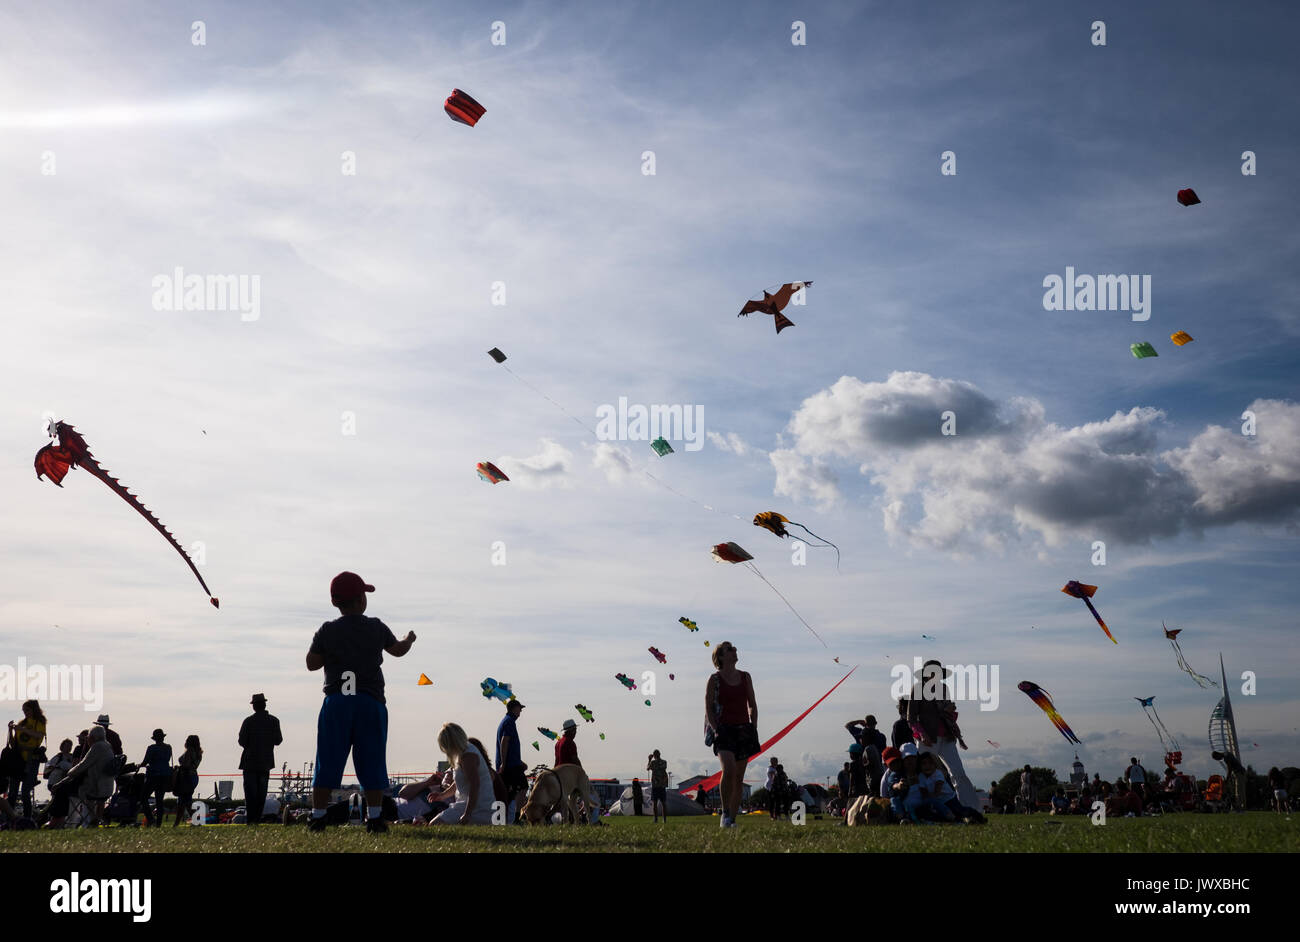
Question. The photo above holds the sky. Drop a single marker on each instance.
(640, 172)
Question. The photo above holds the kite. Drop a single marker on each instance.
(547, 733)
(626, 681)
(774, 304)
(537, 747)
(493, 689)
(460, 107)
(661, 446)
(712, 781)
(602, 735)
(1085, 592)
(1201, 680)
(659, 655)
(690, 625)
(672, 676)
(1044, 701)
(55, 461)
(647, 703)
(1143, 349)
(774, 522)
(585, 713)
(731, 553)
(1188, 197)
(1182, 338)
(929, 638)
(491, 473)
(1167, 741)
(497, 355)
(424, 681)
(993, 744)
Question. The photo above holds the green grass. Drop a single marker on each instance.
(1183, 833)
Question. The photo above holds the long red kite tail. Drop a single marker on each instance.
(90, 465)
(1088, 602)
(709, 783)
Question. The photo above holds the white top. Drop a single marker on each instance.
(482, 811)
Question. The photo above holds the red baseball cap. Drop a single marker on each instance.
(890, 754)
(347, 586)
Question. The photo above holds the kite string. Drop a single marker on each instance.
(754, 569)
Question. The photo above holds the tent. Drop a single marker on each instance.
(678, 804)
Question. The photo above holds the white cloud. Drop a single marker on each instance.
(1008, 474)
(730, 442)
(548, 468)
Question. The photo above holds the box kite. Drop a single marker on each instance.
(460, 107)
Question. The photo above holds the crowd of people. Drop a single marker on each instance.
(92, 782)
(916, 776)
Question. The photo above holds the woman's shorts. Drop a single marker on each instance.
(740, 739)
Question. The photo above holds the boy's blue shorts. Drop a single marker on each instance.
(356, 723)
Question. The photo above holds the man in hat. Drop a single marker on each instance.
(259, 735)
(110, 736)
(353, 719)
(509, 763)
(158, 779)
(566, 750)
(932, 718)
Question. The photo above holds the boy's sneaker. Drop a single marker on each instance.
(376, 826)
(317, 825)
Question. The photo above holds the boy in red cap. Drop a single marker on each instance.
(353, 717)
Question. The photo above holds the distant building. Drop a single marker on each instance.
(1078, 777)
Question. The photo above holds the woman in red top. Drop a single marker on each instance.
(731, 715)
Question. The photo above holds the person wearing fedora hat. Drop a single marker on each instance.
(258, 735)
(110, 735)
(354, 718)
(566, 750)
(158, 777)
(933, 720)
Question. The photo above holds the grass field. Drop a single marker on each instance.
(1183, 833)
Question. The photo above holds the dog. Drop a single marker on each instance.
(559, 789)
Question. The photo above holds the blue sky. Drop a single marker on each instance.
(774, 162)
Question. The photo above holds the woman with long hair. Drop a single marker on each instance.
(187, 777)
(731, 715)
(26, 737)
(471, 789)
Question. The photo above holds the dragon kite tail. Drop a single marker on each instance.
(1088, 602)
(823, 539)
(118, 488)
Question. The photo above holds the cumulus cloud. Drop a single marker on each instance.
(613, 462)
(548, 468)
(730, 442)
(1008, 474)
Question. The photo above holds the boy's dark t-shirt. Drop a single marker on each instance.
(354, 643)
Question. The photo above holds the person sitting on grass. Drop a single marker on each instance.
(1124, 803)
(1060, 804)
(471, 787)
(893, 784)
